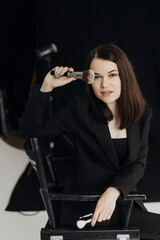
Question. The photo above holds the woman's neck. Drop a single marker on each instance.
(114, 109)
(115, 122)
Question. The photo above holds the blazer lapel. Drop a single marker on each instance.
(104, 139)
(133, 143)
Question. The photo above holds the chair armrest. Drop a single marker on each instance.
(92, 197)
(134, 196)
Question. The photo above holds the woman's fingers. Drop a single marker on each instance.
(71, 69)
(56, 78)
(66, 69)
(94, 218)
(102, 213)
(107, 216)
(60, 71)
(100, 216)
(56, 71)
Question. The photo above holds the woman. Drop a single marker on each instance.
(110, 130)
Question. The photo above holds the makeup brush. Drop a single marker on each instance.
(87, 76)
(81, 223)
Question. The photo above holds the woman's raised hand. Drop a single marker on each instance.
(57, 80)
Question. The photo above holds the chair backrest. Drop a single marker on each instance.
(52, 167)
(51, 172)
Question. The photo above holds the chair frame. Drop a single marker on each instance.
(56, 233)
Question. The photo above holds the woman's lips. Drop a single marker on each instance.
(106, 93)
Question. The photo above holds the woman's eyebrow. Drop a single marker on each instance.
(113, 71)
(97, 73)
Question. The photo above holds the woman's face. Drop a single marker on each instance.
(107, 83)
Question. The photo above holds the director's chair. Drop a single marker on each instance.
(51, 190)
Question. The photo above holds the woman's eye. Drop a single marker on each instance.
(98, 77)
(113, 75)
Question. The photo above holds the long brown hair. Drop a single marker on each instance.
(131, 103)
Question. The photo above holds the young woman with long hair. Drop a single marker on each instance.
(110, 129)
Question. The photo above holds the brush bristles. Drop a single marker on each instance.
(88, 76)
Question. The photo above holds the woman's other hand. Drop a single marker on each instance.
(105, 205)
(57, 80)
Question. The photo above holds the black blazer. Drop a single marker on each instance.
(96, 165)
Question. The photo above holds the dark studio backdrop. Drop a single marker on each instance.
(76, 27)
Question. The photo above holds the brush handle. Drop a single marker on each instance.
(77, 75)
(88, 215)
(88, 221)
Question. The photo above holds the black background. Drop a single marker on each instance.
(76, 27)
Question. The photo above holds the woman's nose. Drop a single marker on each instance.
(105, 82)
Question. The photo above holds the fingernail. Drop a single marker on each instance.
(92, 225)
(74, 79)
(70, 68)
(60, 74)
(57, 75)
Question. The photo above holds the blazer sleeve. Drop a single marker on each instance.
(34, 123)
(127, 178)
